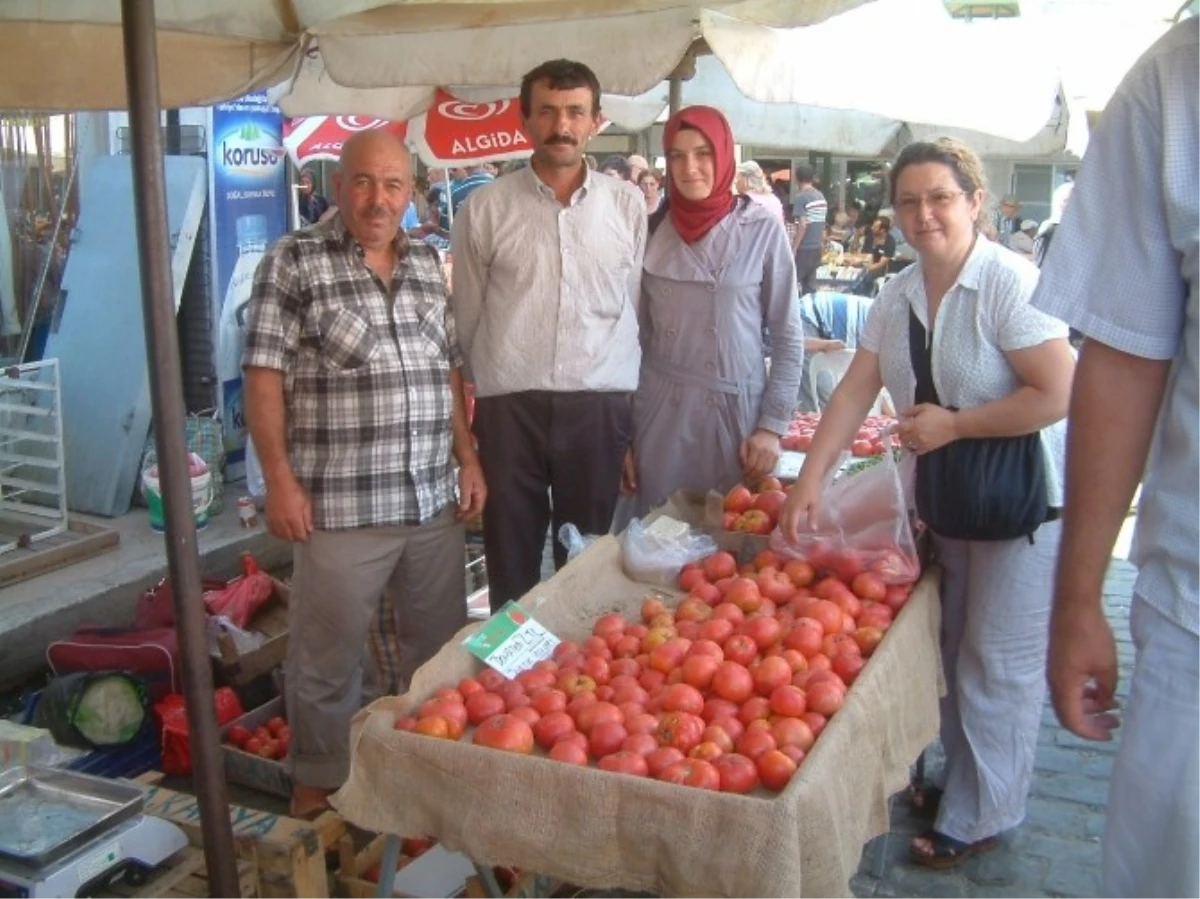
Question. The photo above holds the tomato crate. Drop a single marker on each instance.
(250, 770)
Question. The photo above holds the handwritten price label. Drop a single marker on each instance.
(511, 642)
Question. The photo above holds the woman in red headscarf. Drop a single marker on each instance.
(718, 271)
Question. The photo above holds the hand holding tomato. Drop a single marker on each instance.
(926, 427)
(759, 454)
(1082, 670)
(802, 508)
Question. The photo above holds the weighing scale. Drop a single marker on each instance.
(64, 834)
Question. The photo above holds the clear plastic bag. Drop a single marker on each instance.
(575, 542)
(654, 554)
(864, 525)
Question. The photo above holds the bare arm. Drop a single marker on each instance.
(1045, 373)
(472, 488)
(289, 510)
(1104, 464)
(840, 421)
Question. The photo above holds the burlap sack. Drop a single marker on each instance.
(602, 830)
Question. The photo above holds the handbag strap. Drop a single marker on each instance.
(920, 354)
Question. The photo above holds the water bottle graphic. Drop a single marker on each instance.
(252, 243)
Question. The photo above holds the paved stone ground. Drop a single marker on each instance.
(1056, 852)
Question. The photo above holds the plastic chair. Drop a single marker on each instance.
(833, 364)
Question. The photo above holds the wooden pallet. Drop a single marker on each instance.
(183, 874)
(289, 853)
(80, 541)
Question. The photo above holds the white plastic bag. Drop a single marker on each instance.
(575, 542)
(655, 553)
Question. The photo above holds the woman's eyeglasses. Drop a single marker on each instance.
(940, 199)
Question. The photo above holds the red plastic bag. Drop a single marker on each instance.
(864, 525)
(242, 597)
(176, 735)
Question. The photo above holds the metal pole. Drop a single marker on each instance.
(166, 394)
(674, 94)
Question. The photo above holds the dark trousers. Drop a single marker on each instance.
(808, 260)
(547, 456)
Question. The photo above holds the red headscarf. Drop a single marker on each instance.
(695, 218)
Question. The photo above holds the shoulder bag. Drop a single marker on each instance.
(989, 488)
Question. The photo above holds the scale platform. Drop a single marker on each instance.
(64, 834)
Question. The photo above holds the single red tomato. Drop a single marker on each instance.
(661, 757)
(681, 730)
(597, 713)
(792, 732)
(692, 773)
(570, 752)
(775, 769)
(551, 726)
(770, 673)
(732, 681)
(237, 736)
(642, 744)
(253, 745)
(755, 742)
(275, 725)
(625, 762)
(740, 649)
(606, 738)
(481, 706)
(788, 701)
(506, 732)
(738, 774)
(682, 697)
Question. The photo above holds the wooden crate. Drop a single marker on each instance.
(271, 621)
(353, 867)
(290, 853)
(184, 874)
(249, 770)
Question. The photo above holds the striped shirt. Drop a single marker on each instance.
(546, 295)
(367, 375)
(1135, 289)
(810, 206)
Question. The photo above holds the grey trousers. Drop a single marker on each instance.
(338, 579)
(995, 627)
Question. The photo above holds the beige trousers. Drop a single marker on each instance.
(338, 580)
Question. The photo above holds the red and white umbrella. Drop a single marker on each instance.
(320, 138)
(451, 132)
(456, 132)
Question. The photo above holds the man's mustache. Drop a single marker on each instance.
(561, 139)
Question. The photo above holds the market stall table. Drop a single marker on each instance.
(601, 830)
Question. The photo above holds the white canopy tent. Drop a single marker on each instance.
(68, 54)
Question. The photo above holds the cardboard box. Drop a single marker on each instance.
(249, 770)
(271, 621)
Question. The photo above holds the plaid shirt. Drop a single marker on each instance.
(367, 391)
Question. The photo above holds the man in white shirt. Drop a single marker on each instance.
(1021, 242)
(1132, 291)
(547, 279)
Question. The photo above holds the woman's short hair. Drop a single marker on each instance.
(956, 156)
(756, 180)
(650, 173)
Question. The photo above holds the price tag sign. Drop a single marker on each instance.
(511, 642)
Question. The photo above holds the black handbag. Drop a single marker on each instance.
(988, 488)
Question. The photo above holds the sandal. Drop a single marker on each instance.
(923, 799)
(947, 851)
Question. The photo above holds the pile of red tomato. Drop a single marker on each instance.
(869, 441)
(727, 690)
(269, 741)
(753, 511)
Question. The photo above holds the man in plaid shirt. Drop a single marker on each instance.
(355, 402)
